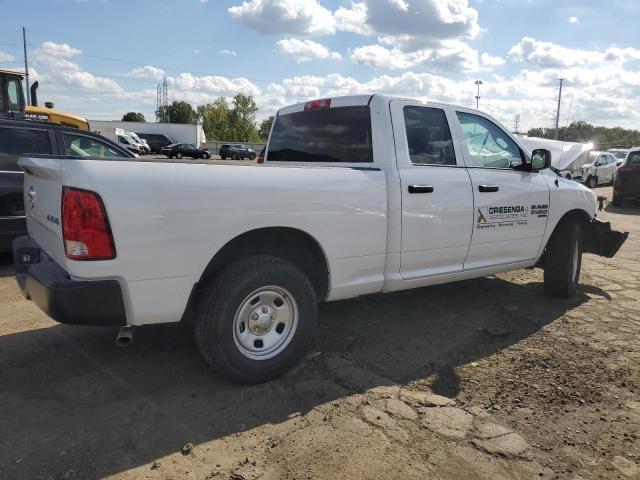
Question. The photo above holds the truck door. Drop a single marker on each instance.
(437, 202)
(510, 205)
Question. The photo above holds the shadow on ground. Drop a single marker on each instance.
(6, 265)
(71, 399)
(628, 207)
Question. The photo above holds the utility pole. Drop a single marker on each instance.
(478, 83)
(26, 64)
(558, 113)
(516, 120)
(158, 102)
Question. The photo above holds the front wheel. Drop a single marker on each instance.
(178, 155)
(206, 156)
(592, 182)
(256, 318)
(563, 260)
(252, 156)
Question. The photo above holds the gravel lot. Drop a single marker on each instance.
(480, 379)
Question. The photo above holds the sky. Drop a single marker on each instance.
(102, 58)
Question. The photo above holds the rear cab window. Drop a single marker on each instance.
(19, 141)
(329, 135)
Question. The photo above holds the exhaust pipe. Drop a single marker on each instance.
(125, 337)
(34, 95)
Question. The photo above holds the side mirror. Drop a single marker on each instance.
(540, 159)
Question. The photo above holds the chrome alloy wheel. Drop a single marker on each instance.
(265, 323)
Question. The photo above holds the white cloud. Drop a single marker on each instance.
(59, 50)
(305, 50)
(298, 17)
(452, 55)
(550, 55)
(228, 52)
(491, 61)
(574, 20)
(148, 71)
(208, 86)
(353, 19)
(5, 57)
(56, 58)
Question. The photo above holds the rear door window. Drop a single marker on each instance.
(634, 159)
(428, 136)
(20, 141)
(340, 134)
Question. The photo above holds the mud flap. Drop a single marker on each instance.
(601, 240)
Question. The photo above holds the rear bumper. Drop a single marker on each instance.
(601, 240)
(68, 301)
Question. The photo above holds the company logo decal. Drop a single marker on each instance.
(502, 216)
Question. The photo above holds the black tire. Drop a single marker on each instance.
(220, 301)
(178, 155)
(223, 157)
(592, 182)
(234, 156)
(562, 263)
(206, 156)
(616, 201)
(252, 156)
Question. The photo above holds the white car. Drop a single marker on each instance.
(600, 170)
(358, 195)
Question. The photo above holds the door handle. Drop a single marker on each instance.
(488, 188)
(420, 189)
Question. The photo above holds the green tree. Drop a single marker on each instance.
(235, 122)
(133, 117)
(177, 112)
(602, 138)
(265, 127)
(215, 119)
(243, 118)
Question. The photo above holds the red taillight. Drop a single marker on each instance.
(318, 104)
(261, 159)
(85, 227)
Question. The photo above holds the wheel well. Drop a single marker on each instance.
(290, 244)
(580, 217)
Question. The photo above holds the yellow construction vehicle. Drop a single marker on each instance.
(13, 105)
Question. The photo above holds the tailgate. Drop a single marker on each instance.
(42, 193)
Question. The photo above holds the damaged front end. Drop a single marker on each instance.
(598, 238)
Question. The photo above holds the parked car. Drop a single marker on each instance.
(627, 181)
(21, 137)
(236, 152)
(600, 169)
(142, 145)
(156, 141)
(620, 154)
(180, 150)
(129, 143)
(387, 194)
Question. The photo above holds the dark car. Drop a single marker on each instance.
(20, 137)
(156, 141)
(236, 151)
(180, 150)
(626, 183)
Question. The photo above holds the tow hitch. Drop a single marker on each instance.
(601, 240)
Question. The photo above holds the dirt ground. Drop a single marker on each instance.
(484, 379)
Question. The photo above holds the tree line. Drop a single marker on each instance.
(221, 120)
(603, 138)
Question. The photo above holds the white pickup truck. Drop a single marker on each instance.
(357, 195)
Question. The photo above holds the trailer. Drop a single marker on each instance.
(177, 132)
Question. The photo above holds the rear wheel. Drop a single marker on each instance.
(234, 156)
(563, 260)
(256, 319)
(206, 155)
(616, 201)
(178, 155)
